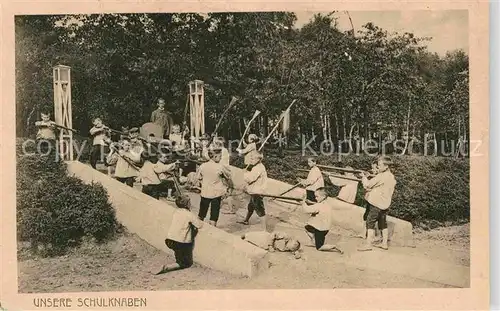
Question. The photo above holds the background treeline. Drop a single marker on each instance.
(349, 84)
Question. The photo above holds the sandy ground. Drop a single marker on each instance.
(123, 264)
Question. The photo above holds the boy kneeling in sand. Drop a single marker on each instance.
(181, 235)
(273, 241)
(320, 222)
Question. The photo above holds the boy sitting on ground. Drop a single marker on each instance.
(273, 241)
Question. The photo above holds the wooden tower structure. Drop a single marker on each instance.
(62, 110)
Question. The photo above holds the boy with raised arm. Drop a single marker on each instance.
(250, 151)
(379, 196)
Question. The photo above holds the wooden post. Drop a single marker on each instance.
(62, 109)
(197, 108)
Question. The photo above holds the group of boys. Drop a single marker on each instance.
(379, 191)
(156, 173)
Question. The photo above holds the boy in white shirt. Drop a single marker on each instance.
(314, 180)
(379, 196)
(166, 174)
(100, 134)
(149, 176)
(181, 235)
(349, 188)
(250, 151)
(176, 138)
(124, 158)
(46, 135)
(212, 175)
(256, 180)
(320, 222)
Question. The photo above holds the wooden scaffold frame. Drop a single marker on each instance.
(62, 109)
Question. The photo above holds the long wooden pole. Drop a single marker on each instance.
(277, 196)
(340, 169)
(277, 124)
(289, 189)
(255, 115)
(333, 175)
(231, 104)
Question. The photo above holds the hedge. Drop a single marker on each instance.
(56, 211)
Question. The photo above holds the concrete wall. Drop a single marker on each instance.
(150, 220)
(347, 216)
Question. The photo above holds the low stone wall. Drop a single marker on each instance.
(150, 219)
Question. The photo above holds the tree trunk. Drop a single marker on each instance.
(407, 129)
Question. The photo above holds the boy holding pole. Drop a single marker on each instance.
(126, 170)
(100, 133)
(380, 190)
(256, 180)
(250, 151)
(46, 135)
(314, 180)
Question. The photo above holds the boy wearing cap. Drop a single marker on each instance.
(256, 180)
(46, 135)
(380, 190)
(250, 151)
(181, 235)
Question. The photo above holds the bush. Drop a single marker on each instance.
(56, 211)
(429, 190)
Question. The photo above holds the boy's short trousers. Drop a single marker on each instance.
(319, 236)
(183, 252)
(129, 181)
(151, 190)
(310, 195)
(376, 215)
(257, 204)
(367, 210)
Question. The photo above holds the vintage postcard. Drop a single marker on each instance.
(242, 155)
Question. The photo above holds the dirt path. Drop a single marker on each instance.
(122, 265)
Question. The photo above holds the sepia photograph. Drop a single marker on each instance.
(290, 150)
